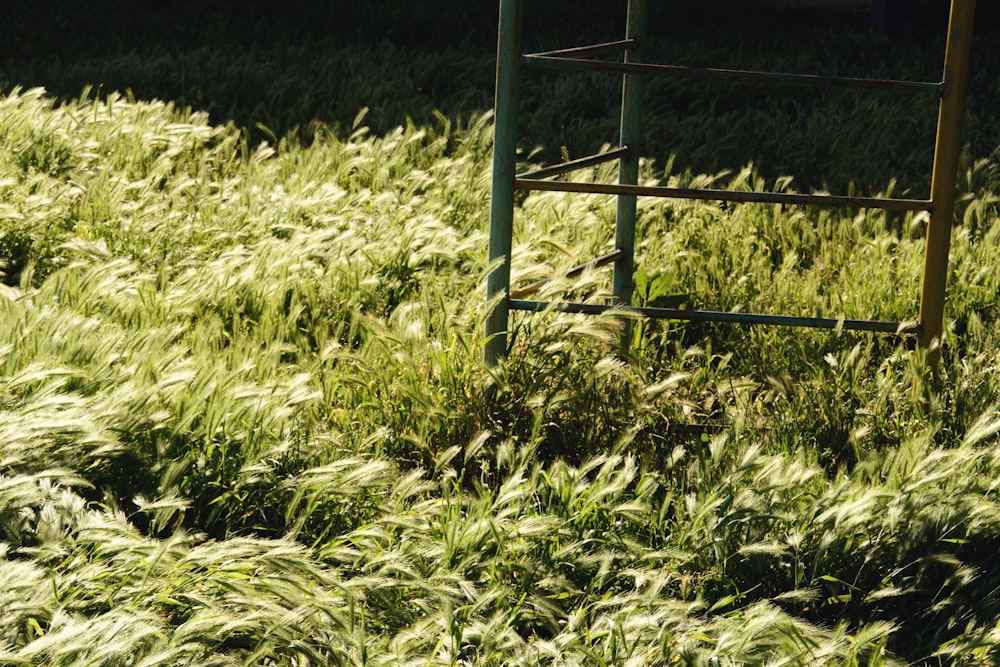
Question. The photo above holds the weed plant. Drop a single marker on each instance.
(243, 418)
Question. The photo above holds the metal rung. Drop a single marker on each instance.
(593, 50)
(726, 195)
(715, 74)
(720, 316)
(579, 163)
(510, 62)
(575, 271)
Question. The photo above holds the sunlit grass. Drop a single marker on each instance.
(244, 419)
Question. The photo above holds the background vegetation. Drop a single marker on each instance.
(242, 414)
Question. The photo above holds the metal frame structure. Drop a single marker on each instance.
(510, 61)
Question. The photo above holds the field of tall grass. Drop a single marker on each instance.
(244, 420)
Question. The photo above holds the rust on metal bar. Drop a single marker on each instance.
(601, 49)
(572, 273)
(880, 326)
(606, 258)
(726, 195)
(715, 74)
(579, 163)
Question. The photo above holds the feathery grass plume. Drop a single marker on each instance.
(243, 407)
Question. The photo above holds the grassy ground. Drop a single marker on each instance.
(243, 415)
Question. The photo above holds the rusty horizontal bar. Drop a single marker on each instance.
(841, 201)
(719, 316)
(575, 271)
(601, 49)
(715, 74)
(579, 163)
(606, 258)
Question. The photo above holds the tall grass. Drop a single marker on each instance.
(244, 420)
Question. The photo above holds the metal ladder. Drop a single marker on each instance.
(950, 89)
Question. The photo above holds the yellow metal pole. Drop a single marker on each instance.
(946, 154)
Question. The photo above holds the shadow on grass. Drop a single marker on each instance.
(275, 70)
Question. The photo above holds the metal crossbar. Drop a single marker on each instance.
(718, 316)
(602, 49)
(745, 76)
(575, 271)
(573, 165)
(841, 201)
(950, 91)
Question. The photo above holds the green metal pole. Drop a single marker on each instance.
(946, 154)
(502, 199)
(628, 168)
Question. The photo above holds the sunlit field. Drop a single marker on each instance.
(244, 418)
